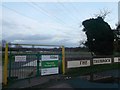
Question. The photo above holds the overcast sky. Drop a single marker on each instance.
(56, 23)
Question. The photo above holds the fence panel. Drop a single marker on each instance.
(27, 62)
(22, 66)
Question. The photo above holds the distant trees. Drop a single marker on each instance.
(100, 37)
(3, 43)
(118, 28)
(18, 46)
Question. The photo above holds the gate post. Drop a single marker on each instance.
(63, 59)
(5, 70)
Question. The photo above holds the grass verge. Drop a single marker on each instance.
(91, 69)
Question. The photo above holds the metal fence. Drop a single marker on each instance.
(26, 61)
(92, 61)
(22, 69)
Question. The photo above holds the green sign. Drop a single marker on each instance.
(49, 64)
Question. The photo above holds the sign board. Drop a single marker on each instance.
(116, 59)
(49, 57)
(48, 71)
(101, 61)
(20, 58)
(80, 63)
(49, 64)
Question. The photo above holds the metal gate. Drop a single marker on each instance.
(23, 66)
(26, 65)
(27, 62)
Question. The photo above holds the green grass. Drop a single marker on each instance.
(92, 69)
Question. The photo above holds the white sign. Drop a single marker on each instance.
(80, 63)
(20, 58)
(116, 59)
(49, 64)
(84, 63)
(101, 61)
(49, 57)
(48, 71)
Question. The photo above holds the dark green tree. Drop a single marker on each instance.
(117, 38)
(100, 37)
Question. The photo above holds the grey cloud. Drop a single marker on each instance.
(49, 42)
(13, 25)
(8, 24)
(27, 27)
(41, 39)
(48, 39)
(28, 37)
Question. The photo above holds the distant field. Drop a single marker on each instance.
(77, 55)
(67, 54)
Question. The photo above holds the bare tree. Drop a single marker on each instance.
(102, 13)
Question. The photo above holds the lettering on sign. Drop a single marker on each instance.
(116, 59)
(49, 64)
(83, 62)
(49, 57)
(101, 60)
(20, 58)
(78, 63)
(53, 56)
(49, 71)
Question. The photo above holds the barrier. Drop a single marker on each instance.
(24, 61)
(29, 60)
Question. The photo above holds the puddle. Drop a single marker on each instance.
(106, 79)
(111, 76)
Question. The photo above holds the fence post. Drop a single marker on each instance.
(63, 59)
(5, 72)
(10, 59)
(38, 62)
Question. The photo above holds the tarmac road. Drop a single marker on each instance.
(76, 82)
(79, 83)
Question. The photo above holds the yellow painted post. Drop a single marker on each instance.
(5, 72)
(63, 59)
